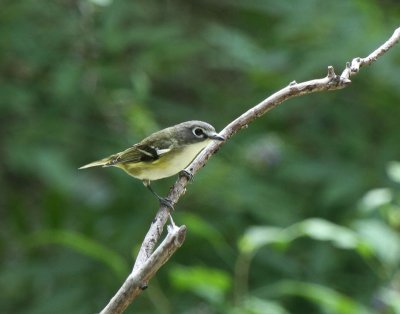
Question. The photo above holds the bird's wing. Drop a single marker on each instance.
(143, 152)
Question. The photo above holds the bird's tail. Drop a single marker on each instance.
(102, 162)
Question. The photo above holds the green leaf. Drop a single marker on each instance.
(257, 237)
(376, 198)
(384, 241)
(208, 283)
(393, 171)
(322, 230)
(101, 3)
(314, 228)
(328, 299)
(256, 305)
(202, 228)
(83, 245)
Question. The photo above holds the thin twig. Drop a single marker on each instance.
(146, 266)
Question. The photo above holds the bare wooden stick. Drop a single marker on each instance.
(147, 262)
(138, 278)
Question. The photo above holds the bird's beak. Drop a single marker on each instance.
(215, 136)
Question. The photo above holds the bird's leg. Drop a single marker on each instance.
(187, 174)
(163, 200)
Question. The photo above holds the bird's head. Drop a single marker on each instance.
(197, 131)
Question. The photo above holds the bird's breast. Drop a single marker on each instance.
(167, 165)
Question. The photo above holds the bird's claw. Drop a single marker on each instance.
(165, 201)
(187, 174)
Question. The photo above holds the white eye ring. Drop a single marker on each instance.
(198, 132)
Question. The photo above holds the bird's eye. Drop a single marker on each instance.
(198, 132)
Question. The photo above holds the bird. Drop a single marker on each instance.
(162, 154)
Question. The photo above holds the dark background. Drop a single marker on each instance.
(298, 213)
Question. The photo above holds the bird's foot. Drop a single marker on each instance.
(165, 201)
(187, 174)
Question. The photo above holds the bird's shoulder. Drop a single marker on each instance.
(149, 149)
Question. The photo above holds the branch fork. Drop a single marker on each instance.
(138, 279)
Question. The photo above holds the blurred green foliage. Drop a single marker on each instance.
(299, 213)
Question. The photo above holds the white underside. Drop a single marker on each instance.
(167, 165)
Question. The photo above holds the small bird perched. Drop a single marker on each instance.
(163, 153)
